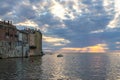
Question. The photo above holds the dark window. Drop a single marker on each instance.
(7, 34)
(10, 43)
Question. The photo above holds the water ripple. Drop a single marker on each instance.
(68, 67)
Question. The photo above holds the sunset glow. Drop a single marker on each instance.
(99, 48)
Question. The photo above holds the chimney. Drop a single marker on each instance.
(8, 22)
(4, 21)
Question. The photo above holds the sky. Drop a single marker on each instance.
(68, 25)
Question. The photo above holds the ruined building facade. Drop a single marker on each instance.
(19, 43)
(8, 39)
(35, 42)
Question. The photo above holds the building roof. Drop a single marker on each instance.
(7, 24)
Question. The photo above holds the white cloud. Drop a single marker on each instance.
(34, 7)
(115, 22)
(44, 28)
(117, 5)
(27, 23)
(66, 9)
(108, 4)
(55, 41)
(58, 10)
(97, 31)
(117, 42)
(58, 44)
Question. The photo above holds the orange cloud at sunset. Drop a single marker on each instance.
(97, 48)
(94, 49)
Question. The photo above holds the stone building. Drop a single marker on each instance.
(8, 39)
(35, 42)
(22, 45)
(19, 43)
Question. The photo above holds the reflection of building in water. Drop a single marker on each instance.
(20, 69)
(8, 69)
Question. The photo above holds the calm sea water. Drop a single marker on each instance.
(69, 67)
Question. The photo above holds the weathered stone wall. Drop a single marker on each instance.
(35, 43)
(19, 43)
(7, 50)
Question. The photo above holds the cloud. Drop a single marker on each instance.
(53, 39)
(56, 41)
(26, 11)
(97, 31)
(68, 23)
(47, 19)
(27, 23)
(109, 6)
(94, 19)
(117, 42)
(114, 23)
(58, 10)
(7, 6)
(94, 49)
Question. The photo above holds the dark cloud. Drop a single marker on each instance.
(27, 12)
(78, 30)
(48, 18)
(7, 6)
(93, 17)
(35, 1)
(110, 38)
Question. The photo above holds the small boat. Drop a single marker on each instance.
(59, 55)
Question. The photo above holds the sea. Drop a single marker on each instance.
(70, 66)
